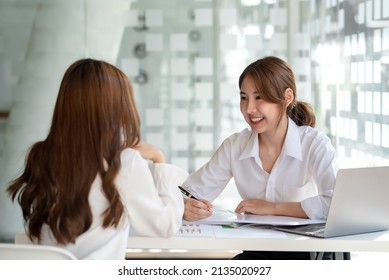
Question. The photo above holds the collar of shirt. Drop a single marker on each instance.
(292, 144)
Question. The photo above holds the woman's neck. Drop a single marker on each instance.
(270, 145)
(276, 137)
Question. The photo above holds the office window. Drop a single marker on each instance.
(365, 70)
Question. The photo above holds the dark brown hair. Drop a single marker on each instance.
(273, 76)
(95, 105)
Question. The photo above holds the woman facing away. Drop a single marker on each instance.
(281, 166)
(89, 180)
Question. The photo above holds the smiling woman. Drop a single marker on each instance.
(267, 96)
(281, 147)
(271, 79)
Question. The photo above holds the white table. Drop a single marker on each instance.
(369, 242)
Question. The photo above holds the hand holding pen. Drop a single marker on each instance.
(187, 193)
(195, 208)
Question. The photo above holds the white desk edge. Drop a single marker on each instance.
(368, 242)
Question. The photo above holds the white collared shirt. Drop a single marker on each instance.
(304, 172)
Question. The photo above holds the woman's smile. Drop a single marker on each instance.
(256, 120)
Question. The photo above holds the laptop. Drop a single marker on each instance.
(360, 204)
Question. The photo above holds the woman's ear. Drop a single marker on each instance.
(289, 97)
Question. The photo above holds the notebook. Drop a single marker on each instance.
(221, 216)
(360, 204)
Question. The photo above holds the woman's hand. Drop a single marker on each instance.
(255, 206)
(197, 209)
(264, 207)
(150, 152)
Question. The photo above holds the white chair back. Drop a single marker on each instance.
(10, 251)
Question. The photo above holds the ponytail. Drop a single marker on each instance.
(302, 113)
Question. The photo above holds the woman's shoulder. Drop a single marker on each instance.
(238, 141)
(308, 131)
(128, 155)
(242, 136)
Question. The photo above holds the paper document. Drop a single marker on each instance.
(194, 229)
(226, 217)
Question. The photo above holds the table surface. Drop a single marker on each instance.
(368, 242)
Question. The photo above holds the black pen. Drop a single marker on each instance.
(187, 194)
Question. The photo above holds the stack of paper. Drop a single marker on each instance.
(226, 217)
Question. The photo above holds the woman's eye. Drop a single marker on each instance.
(242, 97)
(258, 97)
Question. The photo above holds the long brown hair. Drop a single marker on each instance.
(273, 76)
(95, 105)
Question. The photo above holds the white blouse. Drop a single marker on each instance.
(304, 172)
(153, 205)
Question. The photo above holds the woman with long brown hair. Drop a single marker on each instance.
(89, 181)
(281, 165)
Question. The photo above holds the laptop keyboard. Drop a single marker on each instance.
(311, 229)
(316, 228)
